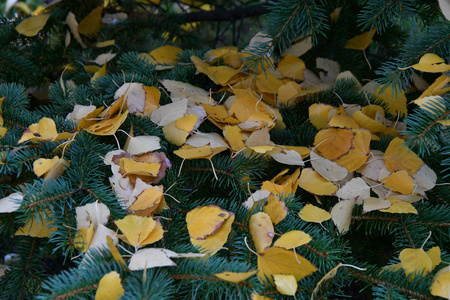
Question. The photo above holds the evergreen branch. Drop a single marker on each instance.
(368, 278)
(435, 39)
(381, 14)
(45, 200)
(32, 251)
(219, 15)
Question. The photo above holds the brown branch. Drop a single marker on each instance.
(402, 289)
(32, 205)
(209, 278)
(226, 15)
(76, 292)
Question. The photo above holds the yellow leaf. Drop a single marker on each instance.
(415, 261)
(329, 275)
(343, 121)
(234, 137)
(399, 157)
(205, 220)
(299, 48)
(362, 41)
(101, 72)
(311, 213)
(431, 63)
(193, 153)
(267, 83)
(396, 102)
(292, 67)
(166, 54)
(276, 209)
(221, 75)
(312, 182)
(332, 143)
(32, 25)
(110, 287)
(147, 202)
(130, 166)
(285, 284)
(341, 214)
(215, 241)
(44, 130)
(292, 239)
(235, 277)
(435, 256)
(186, 123)
(174, 135)
(138, 230)
(255, 296)
(34, 228)
(400, 181)
(43, 165)
(435, 102)
(399, 207)
(105, 43)
(90, 25)
(277, 260)
(115, 252)
(438, 87)
(262, 231)
(318, 114)
(368, 123)
(441, 285)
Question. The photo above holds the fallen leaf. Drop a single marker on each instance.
(262, 231)
(235, 277)
(400, 157)
(32, 25)
(415, 262)
(314, 183)
(361, 41)
(215, 241)
(140, 231)
(90, 25)
(285, 284)
(11, 203)
(341, 214)
(311, 213)
(277, 260)
(431, 63)
(205, 220)
(109, 287)
(292, 239)
(441, 284)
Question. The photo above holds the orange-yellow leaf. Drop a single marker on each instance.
(400, 181)
(44, 130)
(333, 143)
(138, 230)
(34, 228)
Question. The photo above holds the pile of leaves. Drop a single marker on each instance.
(338, 171)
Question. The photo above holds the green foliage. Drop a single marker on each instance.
(42, 76)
